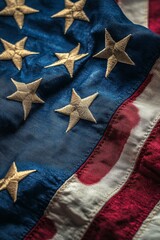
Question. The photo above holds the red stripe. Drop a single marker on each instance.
(109, 149)
(154, 15)
(44, 230)
(122, 216)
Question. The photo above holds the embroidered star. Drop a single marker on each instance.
(72, 11)
(26, 93)
(68, 59)
(11, 180)
(78, 109)
(114, 52)
(17, 9)
(15, 52)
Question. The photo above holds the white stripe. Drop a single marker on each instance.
(75, 205)
(136, 10)
(150, 230)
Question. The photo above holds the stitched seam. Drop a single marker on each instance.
(110, 128)
(142, 155)
(131, 170)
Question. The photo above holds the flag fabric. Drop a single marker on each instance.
(144, 12)
(79, 120)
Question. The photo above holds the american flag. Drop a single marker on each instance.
(79, 120)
